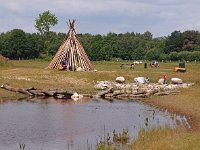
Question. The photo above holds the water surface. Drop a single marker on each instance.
(53, 125)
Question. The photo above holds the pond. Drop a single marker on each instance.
(48, 124)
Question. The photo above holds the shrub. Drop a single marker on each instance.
(174, 56)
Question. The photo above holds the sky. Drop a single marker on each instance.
(160, 17)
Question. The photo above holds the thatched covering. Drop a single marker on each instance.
(72, 51)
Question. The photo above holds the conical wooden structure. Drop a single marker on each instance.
(72, 51)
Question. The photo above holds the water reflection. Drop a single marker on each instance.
(51, 124)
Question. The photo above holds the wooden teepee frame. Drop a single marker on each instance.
(72, 51)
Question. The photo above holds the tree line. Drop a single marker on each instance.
(17, 44)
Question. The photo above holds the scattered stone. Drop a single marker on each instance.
(79, 69)
(120, 80)
(140, 80)
(161, 81)
(176, 81)
(101, 85)
(140, 89)
(76, 96)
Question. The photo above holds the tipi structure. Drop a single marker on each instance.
(72, 51)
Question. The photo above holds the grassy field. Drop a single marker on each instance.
(33, 73)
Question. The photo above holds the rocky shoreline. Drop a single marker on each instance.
(140, 88)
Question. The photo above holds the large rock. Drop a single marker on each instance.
(79, 69)
(120, 79)
(101, 85)
(161, 81)
(140, 80)
(76, 96)
(176, 81)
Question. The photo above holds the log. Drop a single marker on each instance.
(31, 88)
(59, 96)
(20, 90)
(7, 87)
(162, 93)
(167, 93)
(37, 92)
(103, 93)
(23, 91)
(48, 93)
(131, 96)
(117, 93)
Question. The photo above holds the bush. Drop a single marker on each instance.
(194, 56)
(153, 54)
(45, 57)
(163, 57)
(174, 56)
(184, 55)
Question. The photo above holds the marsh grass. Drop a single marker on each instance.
(33, 73)
(22, 146)
(114, 142)
(166, 139)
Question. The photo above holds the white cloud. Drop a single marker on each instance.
(101, 16)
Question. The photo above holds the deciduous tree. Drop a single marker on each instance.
(43, 24)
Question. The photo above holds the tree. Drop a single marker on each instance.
(43, 24)
(147, 35)
(174, 43)
(15, 44)
(190, 39)
(153, 54)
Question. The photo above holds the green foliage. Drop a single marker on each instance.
(43, 24)
(174, 56)
(190, 40)
(184, 55)
(163, 57)
(45, 57)
(45, 21)
(174, 42)
(195, 55)
(16, 44)
(153, 54)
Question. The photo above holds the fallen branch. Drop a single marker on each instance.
(38, 92)
(103, 93)
(167, 93)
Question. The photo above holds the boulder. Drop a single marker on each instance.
(119, 86)
(176, 81)
(161, 81)
(76, 96)
(140, 80)
(120, 79)
(101, 85)
(185, 85)
(79, 69)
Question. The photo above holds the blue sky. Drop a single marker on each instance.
(160, 17)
